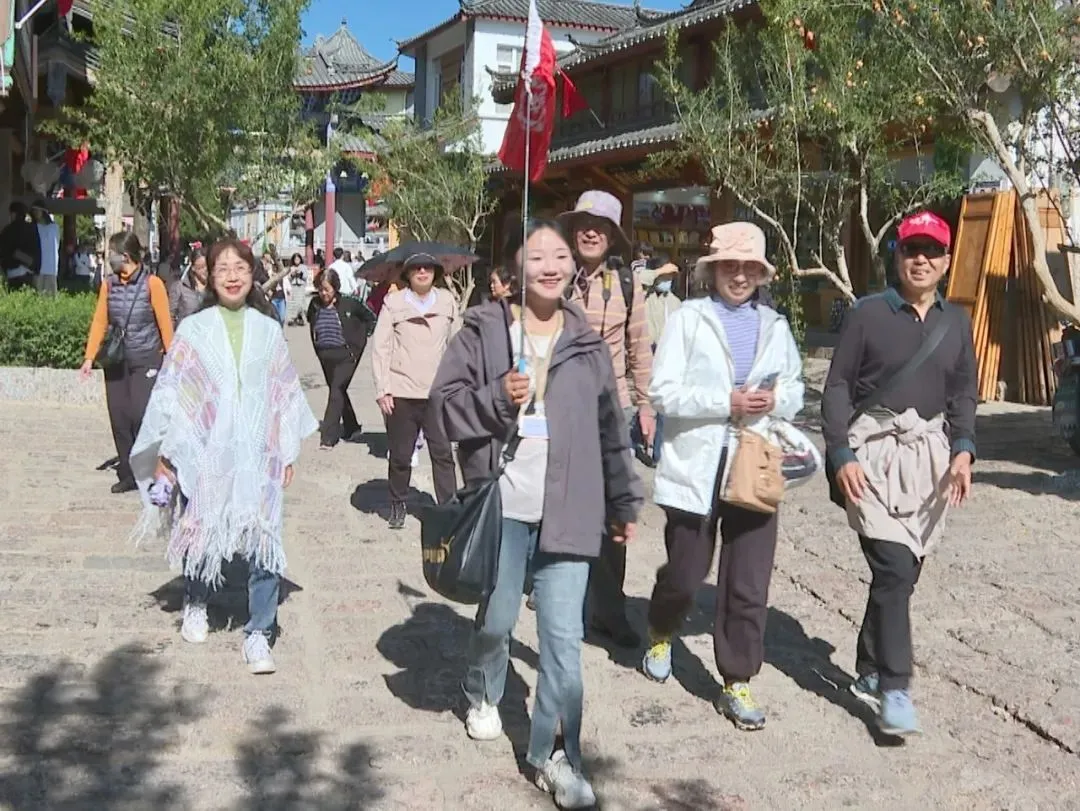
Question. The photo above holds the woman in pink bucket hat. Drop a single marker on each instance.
(723, 361)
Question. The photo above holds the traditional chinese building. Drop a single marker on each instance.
(335, 73)
(630, 120)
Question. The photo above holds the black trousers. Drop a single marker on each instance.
(339, 366)
(127, 392)
(402, 429)
(884, 645)
(607, 578)
(747, 549)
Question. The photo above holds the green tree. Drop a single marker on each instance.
(1007, 72)
(194, 97)
(434, 182)
(802, 123)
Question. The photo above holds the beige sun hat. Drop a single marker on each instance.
(738, 242)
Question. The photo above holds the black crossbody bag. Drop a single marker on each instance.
(878, 395)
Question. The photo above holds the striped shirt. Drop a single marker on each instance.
(741, 330)
(328, 334)
(631, 347)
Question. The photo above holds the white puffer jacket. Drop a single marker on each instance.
(692, 381)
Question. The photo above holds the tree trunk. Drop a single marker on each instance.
(1029, 205)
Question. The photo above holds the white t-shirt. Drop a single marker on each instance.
(345, 275)
(49, 236)
(522, 483)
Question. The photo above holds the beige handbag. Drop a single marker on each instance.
(756, 479)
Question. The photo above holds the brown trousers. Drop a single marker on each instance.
(747, 549)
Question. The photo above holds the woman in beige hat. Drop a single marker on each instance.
(723, 361)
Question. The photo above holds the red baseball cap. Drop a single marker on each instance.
(925, 224)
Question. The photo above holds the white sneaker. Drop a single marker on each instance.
(195, 626)
(415, 458)
(483, 723)
(567, 784)
(257, 654)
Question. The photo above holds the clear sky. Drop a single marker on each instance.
(378, 23)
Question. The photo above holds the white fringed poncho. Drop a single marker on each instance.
(229, 430)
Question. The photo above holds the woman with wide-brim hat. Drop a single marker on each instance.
(723, 362)
(415, 325)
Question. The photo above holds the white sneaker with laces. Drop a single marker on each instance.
(567, 784)
(483, 723)
(257, 654)
(195, 626)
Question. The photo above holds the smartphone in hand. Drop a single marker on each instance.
(768, 383)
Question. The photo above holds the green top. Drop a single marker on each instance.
(234, 325)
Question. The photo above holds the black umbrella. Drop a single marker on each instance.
(382, 266)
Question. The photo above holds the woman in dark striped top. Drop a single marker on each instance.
(339, 331)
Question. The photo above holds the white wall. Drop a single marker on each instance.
(489, 34)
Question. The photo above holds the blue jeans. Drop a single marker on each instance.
(263, 590)
(559, 585)
(280, 306)
(658, 437)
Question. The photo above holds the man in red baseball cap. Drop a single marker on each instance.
(898, 414)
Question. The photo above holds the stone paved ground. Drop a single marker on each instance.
(103, 707)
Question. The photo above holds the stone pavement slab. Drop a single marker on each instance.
(102, 706)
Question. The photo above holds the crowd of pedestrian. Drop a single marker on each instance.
(573, 365)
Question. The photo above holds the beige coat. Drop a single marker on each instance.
(408, 345)
(658, 306)
(906, 462)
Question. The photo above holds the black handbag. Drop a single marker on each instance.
(111, 352)
(460, 540)
(906, 372)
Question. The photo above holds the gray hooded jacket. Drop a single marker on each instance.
(590, 474)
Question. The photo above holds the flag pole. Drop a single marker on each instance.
(525, 216)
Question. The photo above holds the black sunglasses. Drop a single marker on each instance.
(931, 250)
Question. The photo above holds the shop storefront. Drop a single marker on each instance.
(675, 222)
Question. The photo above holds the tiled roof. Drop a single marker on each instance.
(399, 78)
(655, 135)
(647, 27)
(587, 15)
(339, 61)
(653, 26)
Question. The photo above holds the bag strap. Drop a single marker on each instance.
(907, 371)
(134, 299)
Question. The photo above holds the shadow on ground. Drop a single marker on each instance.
(228, 607)
(279, 767)
(373, 498)
(429, 649)
(72, 741)
(808, 662)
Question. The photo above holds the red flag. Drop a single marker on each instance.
(572, 100)
(533, 117)
(63, 7)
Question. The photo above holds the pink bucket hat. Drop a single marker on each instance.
(738, 242)
(601, 204)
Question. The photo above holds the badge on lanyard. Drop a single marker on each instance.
(534, 425)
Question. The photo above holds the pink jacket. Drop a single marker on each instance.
(408, 345)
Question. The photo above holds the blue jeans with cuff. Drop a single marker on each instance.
(559, 586)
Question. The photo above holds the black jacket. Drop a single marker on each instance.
(357, 321)
(20, 245)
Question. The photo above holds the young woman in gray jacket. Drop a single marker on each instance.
(571, 479)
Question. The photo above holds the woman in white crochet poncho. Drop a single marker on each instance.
(224, 427)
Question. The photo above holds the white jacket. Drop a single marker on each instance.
(692, 380)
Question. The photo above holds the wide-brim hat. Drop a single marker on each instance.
(738, 242)
(601, 204)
